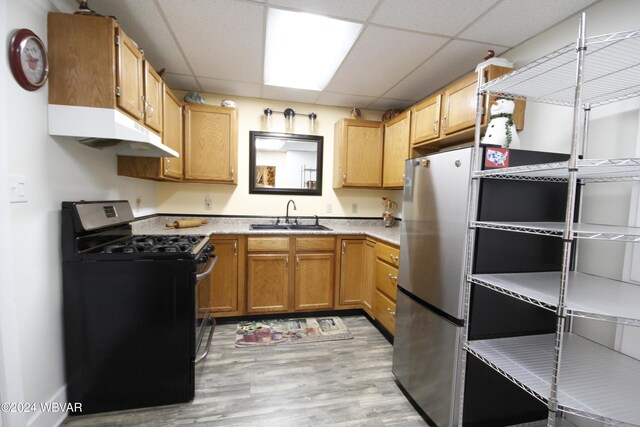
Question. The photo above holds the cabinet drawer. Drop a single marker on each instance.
(315, 244)
(384, 311)
(386, 279)
(388, 253)
(267, 244)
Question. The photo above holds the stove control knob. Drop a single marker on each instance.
(202, 258)
(209, 248)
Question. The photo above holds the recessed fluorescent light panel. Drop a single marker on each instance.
(303, 50)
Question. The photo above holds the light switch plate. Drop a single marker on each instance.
(17, 188)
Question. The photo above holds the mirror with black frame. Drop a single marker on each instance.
(285, 163)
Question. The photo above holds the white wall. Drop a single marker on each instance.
(236, 200)
(613, 132)
(56, 169)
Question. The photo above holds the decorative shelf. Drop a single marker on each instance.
(589, 170)
(587, 295)
(611, 73)
(595, 382)
(580, 230)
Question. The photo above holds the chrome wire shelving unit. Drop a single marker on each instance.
(569, 374)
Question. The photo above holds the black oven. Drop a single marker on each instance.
(134, 327)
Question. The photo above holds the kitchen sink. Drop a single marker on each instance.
(301, 227)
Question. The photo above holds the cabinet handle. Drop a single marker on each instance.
(391, 313)
(344, 245)
(444, 124)
(392, 277)
(435, 128)
(393, 257)
(286, 262)
(235, 248)
(232, 173)
(297, 261)
(344, 178)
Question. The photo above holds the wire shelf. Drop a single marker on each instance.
(580, 230)
(588, 296)
(589, 170)
(612, 73)
(595, 381)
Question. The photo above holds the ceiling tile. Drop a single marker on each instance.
(381, 57)
(344, 100)
(288, 94)
(222, 39)
(181, 82)
(228, 87)
(352, 9)
(383, 104)
(454, 60)
(514, 21)
(431, 16)
(150, 33)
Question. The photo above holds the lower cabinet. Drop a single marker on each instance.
(369, 276)
(226, 292)
(357, 274)
(290, 274)
(386, 272)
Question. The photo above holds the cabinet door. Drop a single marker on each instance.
(460, 105)
(358, 156)
(172, 133)
(351, 272)
(313, 288)
(267, 283)
(224, 277)
(153, 94)
(211, 144)
(384, 310)
(129, 77)
(396, 150)
(368, 284)
(425, 120)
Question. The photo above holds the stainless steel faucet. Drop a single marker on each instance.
(286, 218)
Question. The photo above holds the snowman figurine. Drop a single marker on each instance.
(501, 129)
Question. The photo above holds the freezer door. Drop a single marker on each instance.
(433, 228)
(425, 359)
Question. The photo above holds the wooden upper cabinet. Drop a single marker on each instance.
(210, 144)
(129, 76)
(459, 105)
(357, 153)
(425, 120)
(396, 150)
(163, 168)
(172, 134)
(153, 93)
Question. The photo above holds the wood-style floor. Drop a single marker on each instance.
(334, 383)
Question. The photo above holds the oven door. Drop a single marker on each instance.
(204, 321)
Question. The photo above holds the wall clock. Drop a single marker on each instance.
(28, 59)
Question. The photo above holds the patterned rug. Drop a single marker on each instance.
(291, 331)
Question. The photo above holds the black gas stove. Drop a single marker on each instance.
(136, 309)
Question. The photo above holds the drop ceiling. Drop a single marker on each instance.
(406, 50)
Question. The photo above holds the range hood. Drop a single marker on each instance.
(106, 129)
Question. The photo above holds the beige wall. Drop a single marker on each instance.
(236, 200)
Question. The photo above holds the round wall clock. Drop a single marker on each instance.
(28, 59)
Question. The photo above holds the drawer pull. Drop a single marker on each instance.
(391, 313)
(393, 257)
(392, 277)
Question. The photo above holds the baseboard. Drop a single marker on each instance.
(52, 412)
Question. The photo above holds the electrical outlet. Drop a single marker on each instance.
(207, 203)
(354, 208)
(329, 207)
(17, 188)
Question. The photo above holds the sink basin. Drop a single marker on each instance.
(288, 227)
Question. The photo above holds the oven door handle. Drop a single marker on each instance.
(206, 350)
(209, 270)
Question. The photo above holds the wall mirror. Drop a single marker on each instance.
(285, 163)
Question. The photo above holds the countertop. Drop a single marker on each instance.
(231, 225)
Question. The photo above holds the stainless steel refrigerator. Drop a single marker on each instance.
(429, 314)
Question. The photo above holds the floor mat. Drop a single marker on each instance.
(290, 331)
